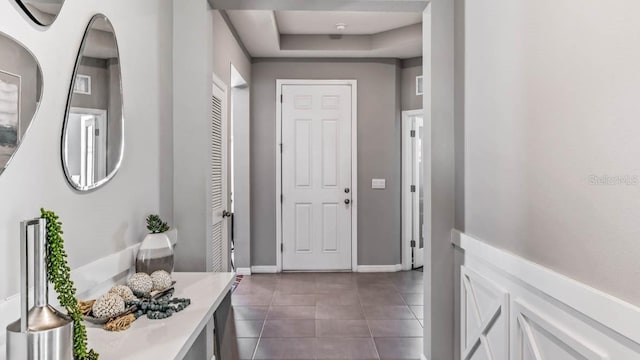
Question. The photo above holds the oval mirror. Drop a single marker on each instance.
(42, 12)
(20, 91)
(93, 136)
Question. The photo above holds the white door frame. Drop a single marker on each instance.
(101, 120)
(407, 224)
(354, 163)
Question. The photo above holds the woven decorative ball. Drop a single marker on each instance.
(124, 292)
(161, 280)
(140, 283)
(108, 305)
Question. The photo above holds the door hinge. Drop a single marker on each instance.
(281, 198)
(413, 243)
(97, 132)
(281, 98)
(281, 247)
(413, 133)
(413, 188)
(281, 148)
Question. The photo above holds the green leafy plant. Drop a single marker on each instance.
(59, 274)
(156, 225)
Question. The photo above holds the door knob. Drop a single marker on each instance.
(347, 190)
(347, 201)
(226, 214)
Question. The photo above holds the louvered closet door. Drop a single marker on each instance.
(218, 245)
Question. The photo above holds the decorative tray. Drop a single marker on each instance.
(131, 309)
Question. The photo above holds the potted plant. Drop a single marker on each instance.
(156, 251)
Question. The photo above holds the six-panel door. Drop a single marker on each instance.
(316, 177)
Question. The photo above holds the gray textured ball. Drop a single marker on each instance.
(140, 283)
(108, 305)
(124, 292)
(161, 280)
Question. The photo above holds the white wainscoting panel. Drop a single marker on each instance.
(512, 308)
(484, 316)
(536, 334)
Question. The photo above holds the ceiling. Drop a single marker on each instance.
(267, 33)
(358, 23)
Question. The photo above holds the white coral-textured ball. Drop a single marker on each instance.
(124, 292)
(108, 305)
(161, 280)
(140, 283)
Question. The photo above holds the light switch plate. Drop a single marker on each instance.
(378, 183)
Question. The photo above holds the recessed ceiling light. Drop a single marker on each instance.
(341, 26)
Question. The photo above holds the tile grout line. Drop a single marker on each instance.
(264, 323)
(375, 346)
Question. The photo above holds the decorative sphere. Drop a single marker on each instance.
(108, 305)
(124, 292)
(140, 283)
(161, 280)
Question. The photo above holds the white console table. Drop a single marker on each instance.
(170, 338)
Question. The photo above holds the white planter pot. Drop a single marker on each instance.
(155, 253)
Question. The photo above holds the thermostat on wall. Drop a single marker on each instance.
(378, 183)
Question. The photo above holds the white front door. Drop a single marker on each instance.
(316, 177)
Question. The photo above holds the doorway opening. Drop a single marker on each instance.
(413, 230)
(88, 128)
(239, 177)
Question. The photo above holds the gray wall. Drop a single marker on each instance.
(378, 153)
(228, 52)
(99, 97)
(440, 21)
(108, 220)
(410, 68)
(541, 120)
(195, 58)
(192, 69)
(17, 60)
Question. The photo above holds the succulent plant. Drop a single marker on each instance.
(156, 225)
(59, 273)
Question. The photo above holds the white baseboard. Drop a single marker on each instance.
(534, 308)
(423, 357)
(243, 271)
(379, 268)
(266, 269)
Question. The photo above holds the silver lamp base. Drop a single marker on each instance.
(49, 337)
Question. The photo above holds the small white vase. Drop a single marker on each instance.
(155, 253)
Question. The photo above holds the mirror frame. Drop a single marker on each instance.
(113, 173)
(24, 8)
(38, 102)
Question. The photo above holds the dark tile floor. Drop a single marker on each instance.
(329, 316)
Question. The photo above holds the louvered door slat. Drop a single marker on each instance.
(217, 246)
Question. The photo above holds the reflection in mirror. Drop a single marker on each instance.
(93, 138)
(42, 12)
(20, 90)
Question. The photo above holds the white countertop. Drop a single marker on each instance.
(169, 338)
